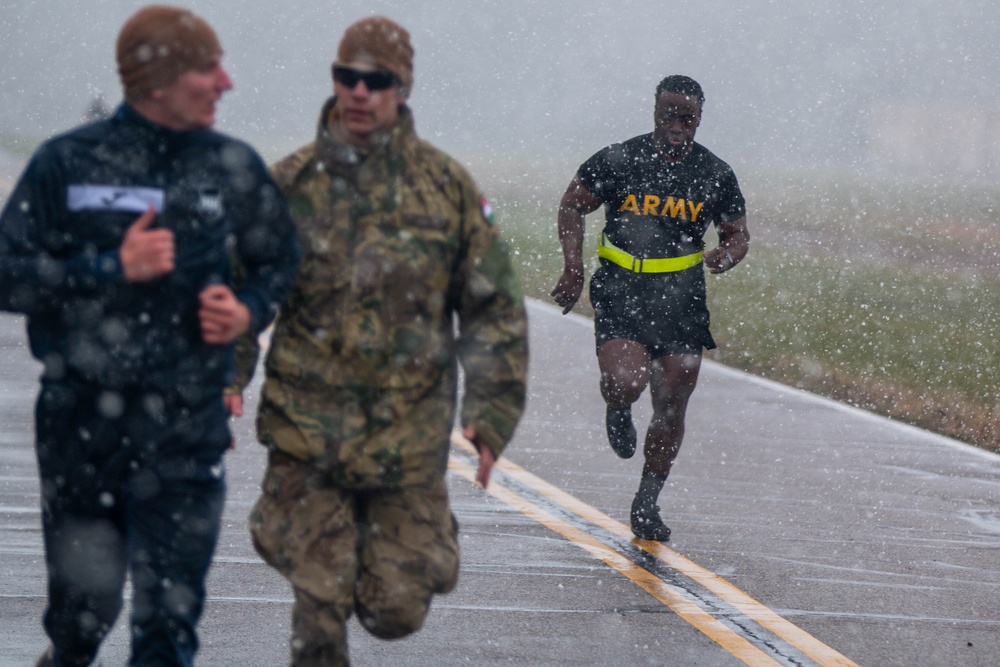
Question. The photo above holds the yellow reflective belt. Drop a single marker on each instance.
(608, 251)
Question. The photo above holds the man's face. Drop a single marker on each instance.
(676, 119)
(189, 102)
(365, 110)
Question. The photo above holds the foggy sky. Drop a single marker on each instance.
(787, 83)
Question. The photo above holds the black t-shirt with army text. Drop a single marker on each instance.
(654, 208)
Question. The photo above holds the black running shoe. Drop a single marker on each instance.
(621, 431)
(647, 523)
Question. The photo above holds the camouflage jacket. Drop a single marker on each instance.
(403, 278)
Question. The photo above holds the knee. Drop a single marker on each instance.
(623, 385)
(394, 614)
(392, 623)
(625, 370)
(670, 410)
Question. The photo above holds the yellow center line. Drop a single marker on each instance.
(690, 612)
(748, 606)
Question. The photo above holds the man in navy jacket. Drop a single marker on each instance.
(119, 246)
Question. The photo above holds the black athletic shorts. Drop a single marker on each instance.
(665, 312)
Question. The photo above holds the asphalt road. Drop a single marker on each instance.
(805, 533)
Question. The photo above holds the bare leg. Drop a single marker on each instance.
(625, 372)
(673, 381)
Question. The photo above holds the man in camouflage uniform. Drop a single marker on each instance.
(361, 386)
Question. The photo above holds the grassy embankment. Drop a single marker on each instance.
(884, 296)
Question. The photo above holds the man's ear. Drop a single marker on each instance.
(154, 95)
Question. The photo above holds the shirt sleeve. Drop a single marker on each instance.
(493, 330)
(267, 250)
(732, 206)
(32, 276)
(595, 174)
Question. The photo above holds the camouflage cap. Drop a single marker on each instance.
(158, 44)
(381, 43)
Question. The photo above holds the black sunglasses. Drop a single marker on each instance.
(376, 80)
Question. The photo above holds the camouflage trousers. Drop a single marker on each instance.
(380, 553)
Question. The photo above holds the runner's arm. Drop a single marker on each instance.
(576, 203)
(734, 243)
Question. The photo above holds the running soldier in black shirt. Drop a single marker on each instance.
(660, 192)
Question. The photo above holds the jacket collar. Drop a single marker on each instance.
(344, 157)
(127, 115)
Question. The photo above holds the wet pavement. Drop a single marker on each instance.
(805, 532)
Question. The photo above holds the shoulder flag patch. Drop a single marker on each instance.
(484, 204)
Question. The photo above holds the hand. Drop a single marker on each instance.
(567, 291)
(223, 317)
(734, 242)
(146, 254)
(234, 404)
(719, 260)
(486, 458)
